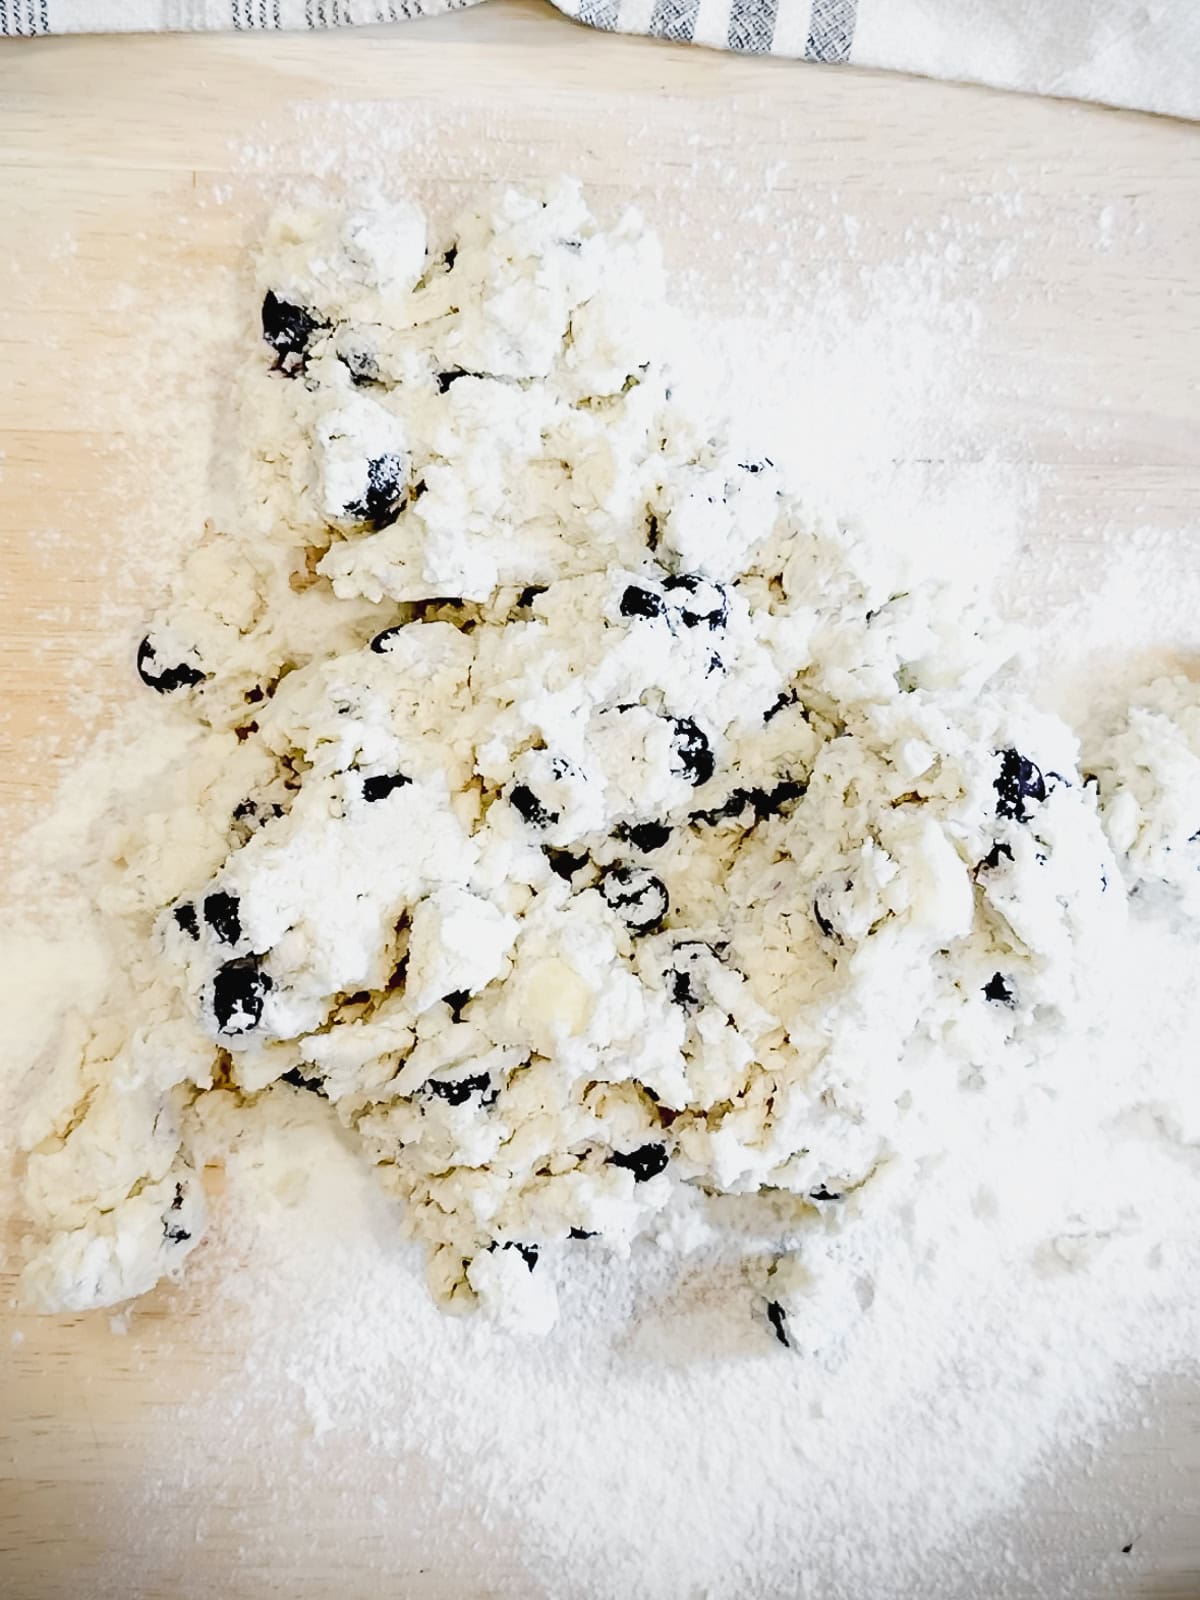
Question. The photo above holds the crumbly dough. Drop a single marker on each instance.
(1147, 768)
(587, 820)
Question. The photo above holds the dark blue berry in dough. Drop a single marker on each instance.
(996, 988)
(777, 1317)
(637, 896)
(707, 605)
(1019, 780)
(386, 783)
(582, 1233)
(646, 1162)
(165, 679)
(645, 836)
(994, 855)
(529, 594)
(696, 761)
(185, 916)
(456, 1000)
(564, 864)
(527, 1252)
(288, 329)
(451, 375)
(381, 640)
(239, 989)
(457, 1091)
(531, 808)
(296, 1078)
(639, 602)
(221, 914)
(384, 499)
(822, 1192)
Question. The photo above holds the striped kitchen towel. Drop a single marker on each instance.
(1139, 53)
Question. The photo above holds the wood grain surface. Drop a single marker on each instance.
(125, 162)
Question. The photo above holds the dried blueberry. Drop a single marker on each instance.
(564, 864)
(996, 988)
(646, 1162)
(685, 985)
(238, 991)
(777, 1317)
(822, 1192)
(531, 808)
(361, 365)
(381, 640)
(696, 761)
(645, 836)
(1019, 780)
(450, 257)
(221, 914)
(789, 697)
(384, 500)
(639, 602)
(582, 1233)
(288, 329)
(297, 1079)
(529, 594)
(707, 603)
(457, 1091)
(527, 1252)
(165, 679)
(770, 802)
(384, 784)
(456, 1000)
(185, 916)
(451, 375)
(992, 859)
(637, 896)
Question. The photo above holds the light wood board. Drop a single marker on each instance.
(1091, 354)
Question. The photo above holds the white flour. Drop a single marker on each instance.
(657, 1446)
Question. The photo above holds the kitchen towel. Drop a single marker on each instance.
(1139, 53)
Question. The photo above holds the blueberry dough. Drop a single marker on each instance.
(588, 823)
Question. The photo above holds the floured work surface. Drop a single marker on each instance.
(995, 347)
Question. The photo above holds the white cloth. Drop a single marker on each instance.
(1139, 53)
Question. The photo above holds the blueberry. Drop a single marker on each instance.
(646, 1162)
(1019, 780)
(992, 859)
(456, 1000)
(770, 802)
(288, 329)
(637, 896)
(451, 375)
(639, 602)
(645, 836)
(788, 698)
(384, 499)
(362, 367)
(296, 1078)
(996, 988)
(450, 257)
(172, 1232)
(821, 1192)
(531, 808)
(221, 914)
(457, 1091)
(684, 984)
(381, 640)
(529, 594)
(239, 989)
(708, 604)
(379, 787)
(777, 1317)
(185, 916)
(527, 1252)
(582, 1233)
(564, 864)
(165, 679)
(696, 762)
(244, 809)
